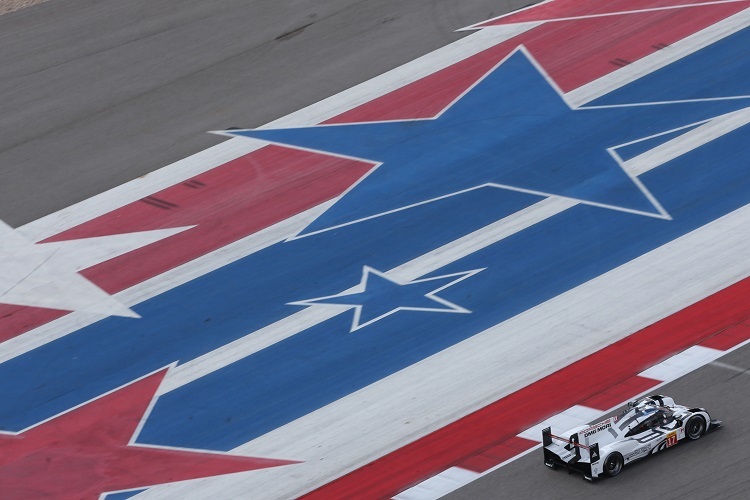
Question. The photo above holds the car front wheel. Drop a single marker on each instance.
(613, 464)
(695, 427)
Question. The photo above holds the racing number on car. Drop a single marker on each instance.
(671, 439)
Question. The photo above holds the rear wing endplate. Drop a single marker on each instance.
(572, 444)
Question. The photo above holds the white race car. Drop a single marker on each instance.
(647, 426)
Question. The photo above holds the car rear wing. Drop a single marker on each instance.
(567, 452)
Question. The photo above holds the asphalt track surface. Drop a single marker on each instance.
(95, 94)
(98, 93)
(713, 467)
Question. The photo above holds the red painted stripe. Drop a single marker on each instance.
(18, 320)
(573, 53)
(572, 385)
(237, 199)
(624, 391)
(226, 204)
(497, 454)
(478, 463)
(574, 8)
(629, 38)
(729, 338)
(86, 451)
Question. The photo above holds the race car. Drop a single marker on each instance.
(648, 425)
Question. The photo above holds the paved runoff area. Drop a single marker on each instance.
(388, 293)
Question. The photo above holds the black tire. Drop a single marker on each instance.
(613, 464)
(695, 427)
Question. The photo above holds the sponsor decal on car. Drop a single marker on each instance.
(637, 453)
(596, 428)
(672, 439)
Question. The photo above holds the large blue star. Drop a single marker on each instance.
(378, 296)
(513, 130)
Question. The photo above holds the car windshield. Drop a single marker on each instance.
(639, 412)
(649, 417)
(656, 412)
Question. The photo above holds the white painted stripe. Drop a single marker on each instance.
(160, 284)
(432, 393)
(572, 417)
(528, 7)
(650, 390)
(513, 459)
(46, 274)
(675, 367)
(733, 368)
(302, 320)
(682, 363)
(688, 141)
(659, 59)
(579, 415)
(708, 360)
(439, 485)
(604, 14)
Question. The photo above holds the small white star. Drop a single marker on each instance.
(46, 274)
(378, 296)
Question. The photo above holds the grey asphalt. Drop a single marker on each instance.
(96, 93)
(717, 466)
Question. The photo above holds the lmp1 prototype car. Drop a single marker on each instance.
(647, 426)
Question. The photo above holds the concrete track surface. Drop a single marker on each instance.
(713, 467)
(95, 94)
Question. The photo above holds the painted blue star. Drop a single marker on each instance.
(378, 296)
(512, 130)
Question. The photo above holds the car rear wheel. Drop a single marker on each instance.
(695, 427)
(613, 464)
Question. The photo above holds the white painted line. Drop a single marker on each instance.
(726, 366)
(46, 275)
(439, 485)
(593, 16)
(528, 7)
(688, 141)
(513, 459)
(650, 390)
(572, 417)
(159, 284)
(659, 59)
(306, 318)
(682, 363)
